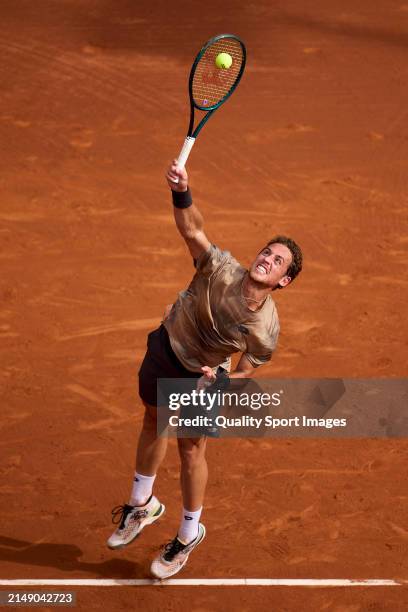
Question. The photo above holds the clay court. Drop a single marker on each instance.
(313, 144)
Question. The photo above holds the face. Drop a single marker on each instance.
(271, 265)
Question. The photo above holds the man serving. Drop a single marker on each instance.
(225, 309)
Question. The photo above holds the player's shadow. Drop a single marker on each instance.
(65, 557)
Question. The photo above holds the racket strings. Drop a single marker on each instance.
(211, 84)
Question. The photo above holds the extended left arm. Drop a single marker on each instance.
(244, 369)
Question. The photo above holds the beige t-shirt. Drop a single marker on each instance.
(211, 320)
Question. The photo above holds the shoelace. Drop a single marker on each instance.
(173, 548)
(120, 514)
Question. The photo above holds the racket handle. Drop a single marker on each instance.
(184, 153)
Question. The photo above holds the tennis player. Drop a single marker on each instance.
(226, 309)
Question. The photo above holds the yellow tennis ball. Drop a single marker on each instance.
(223, 61)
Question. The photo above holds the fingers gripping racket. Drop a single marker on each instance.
(215, 74)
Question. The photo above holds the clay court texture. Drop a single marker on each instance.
(313, 144)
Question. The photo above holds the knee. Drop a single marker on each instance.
(192, 452)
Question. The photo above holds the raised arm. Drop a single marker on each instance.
(188, 218)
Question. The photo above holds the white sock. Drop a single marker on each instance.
(142, 489)
(188, 530)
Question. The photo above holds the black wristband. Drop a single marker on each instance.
(182, 199)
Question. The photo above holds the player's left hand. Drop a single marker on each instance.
(208, 378)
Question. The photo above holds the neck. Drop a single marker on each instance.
(253, 294)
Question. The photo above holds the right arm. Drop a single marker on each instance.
(189, 221)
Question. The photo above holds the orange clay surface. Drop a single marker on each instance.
(314, 144)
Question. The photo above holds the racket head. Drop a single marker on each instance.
(209, 86)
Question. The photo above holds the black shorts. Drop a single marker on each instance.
(160, 361)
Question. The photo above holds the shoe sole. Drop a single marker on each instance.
(184, 562)
(148, 521)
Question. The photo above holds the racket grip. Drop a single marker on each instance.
(185, 152)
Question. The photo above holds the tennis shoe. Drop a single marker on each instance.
(174, 556)
(132, 519)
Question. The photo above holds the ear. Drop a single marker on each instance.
(285, 280)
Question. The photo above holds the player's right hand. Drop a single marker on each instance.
(177, 178)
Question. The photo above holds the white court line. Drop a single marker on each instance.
(293, 582)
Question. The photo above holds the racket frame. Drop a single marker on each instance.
(192, 135)
(210, 109)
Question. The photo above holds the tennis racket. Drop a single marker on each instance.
(210, 86)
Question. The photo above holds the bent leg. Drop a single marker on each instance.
(143, 507)
(194, 471)
(151, 449)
